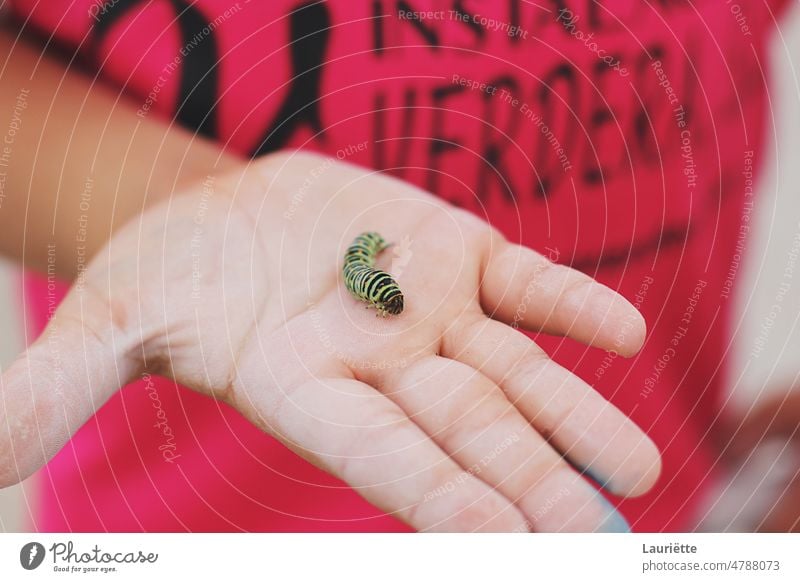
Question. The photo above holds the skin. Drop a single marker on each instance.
(73, 131)
(211, 271)
(776, 417)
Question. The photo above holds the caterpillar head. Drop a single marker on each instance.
(393, 305)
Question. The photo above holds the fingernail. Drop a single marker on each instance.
(589, 472)
(614, 522)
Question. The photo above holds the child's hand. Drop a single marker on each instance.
(444, 415)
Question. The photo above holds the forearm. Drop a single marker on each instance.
(76, 161)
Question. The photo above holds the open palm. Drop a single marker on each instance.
(444, 415)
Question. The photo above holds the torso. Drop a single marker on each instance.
(621, 154)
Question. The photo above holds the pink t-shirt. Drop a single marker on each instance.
(617, 138)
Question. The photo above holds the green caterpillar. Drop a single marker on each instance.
(367, 283)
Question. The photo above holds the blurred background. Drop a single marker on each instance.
(737, 503)
(13, 512)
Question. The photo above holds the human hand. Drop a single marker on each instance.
(777, 417)
(444, 415)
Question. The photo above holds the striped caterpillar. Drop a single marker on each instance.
(367, 283)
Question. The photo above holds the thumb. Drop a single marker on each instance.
(55, 386)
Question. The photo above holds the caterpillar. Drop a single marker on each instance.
(367, 283)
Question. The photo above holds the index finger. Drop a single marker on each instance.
(523, 288)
